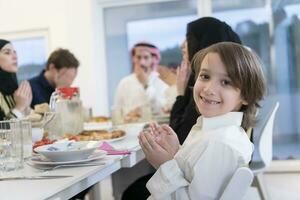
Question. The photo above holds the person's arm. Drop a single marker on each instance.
(12, 114)
(129, 96)
(185, 80)
(210, 174)
(7, 110)
(35, 89)
(177, 110)
(182, 100)
(22, 97)
(119, 96)
(170, 95)
(184, 114)
(167, 75)
(15, 113)
(156, 93)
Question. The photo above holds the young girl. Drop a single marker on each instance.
(229, 84)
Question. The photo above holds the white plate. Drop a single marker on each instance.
(115, 139)
(40, 160)
(68, 150)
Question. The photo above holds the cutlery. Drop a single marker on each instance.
(49, 168)
(33, 177)
(64, 166)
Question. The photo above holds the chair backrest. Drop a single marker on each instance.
(266, 141)
(238, 185)
(263, 134)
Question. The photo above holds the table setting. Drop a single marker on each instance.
(59, 156)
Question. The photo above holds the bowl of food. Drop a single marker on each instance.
(68, 150)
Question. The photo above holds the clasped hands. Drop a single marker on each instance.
(159, 143)
(23, 96)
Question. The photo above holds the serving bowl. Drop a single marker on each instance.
(68, 150)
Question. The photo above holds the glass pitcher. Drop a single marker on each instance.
(66, 103)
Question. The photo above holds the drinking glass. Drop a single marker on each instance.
(87, 113)
(11, 145)
(53, 125)
(117, 115)
(27, 138)
(5, 145)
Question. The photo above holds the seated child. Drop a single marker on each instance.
(228, 87)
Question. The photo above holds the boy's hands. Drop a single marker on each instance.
(159, 143)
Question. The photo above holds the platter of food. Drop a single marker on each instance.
(102, 135)
(98, 135)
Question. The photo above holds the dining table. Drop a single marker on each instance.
(75, 179)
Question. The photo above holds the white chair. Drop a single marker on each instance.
(238, 185)
(263, 143)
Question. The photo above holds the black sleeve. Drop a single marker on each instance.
(184, 114)
(2, 115)
(178, 108)
(185, 122)
(177, 111)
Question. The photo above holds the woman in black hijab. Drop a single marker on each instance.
(201, 33)
(14, 99)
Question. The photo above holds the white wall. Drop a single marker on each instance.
(72, 24)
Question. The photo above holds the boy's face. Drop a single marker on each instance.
(214, 93)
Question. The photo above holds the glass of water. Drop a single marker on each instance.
(5, 146)
(27, 138)
(11, 145)
(117, 115)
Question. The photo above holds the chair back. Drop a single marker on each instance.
(238, 185)
(263, 134)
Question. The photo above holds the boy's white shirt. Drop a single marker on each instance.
(131, 93)
(201, 169)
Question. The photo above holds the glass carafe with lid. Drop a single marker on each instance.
(66, 103)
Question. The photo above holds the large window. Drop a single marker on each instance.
(273, 31)
(271, 28)
(167, 38)
(153, 22)
(31, 47)
(31, 56)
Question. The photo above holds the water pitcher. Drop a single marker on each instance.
(66, 103)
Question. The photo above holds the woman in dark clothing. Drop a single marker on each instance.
(14, 99)
(201, 33)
